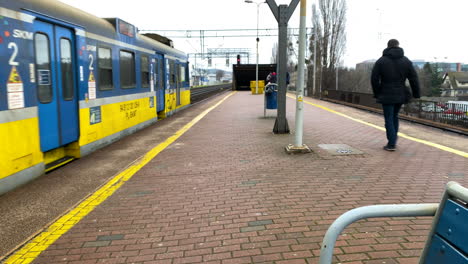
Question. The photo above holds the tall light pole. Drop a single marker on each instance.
(298, 146)
(256, 67)
(336, 77)
(314, 92)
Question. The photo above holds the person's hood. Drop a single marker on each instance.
(394, 52)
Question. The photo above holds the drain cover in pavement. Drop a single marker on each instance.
(340, 149)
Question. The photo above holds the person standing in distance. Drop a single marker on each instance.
(388, 80)
(271, 78)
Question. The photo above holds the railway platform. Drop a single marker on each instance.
(218, 187)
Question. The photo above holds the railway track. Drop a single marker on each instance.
(200, 93)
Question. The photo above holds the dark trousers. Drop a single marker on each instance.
(391, 122)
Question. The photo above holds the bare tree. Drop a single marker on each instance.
(291, 53)
(219, 74)
(329, 22)
(355, 80)
(274, 53)
(315, 60)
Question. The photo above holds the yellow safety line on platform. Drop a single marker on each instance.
(41, 242)
(432, 144)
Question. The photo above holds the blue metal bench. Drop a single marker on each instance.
(448, 239)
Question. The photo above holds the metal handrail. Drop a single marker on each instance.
(372, 211)
(452, 190)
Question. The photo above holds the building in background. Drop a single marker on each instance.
(207, 76)
(365, 65)
(419, 64)
(455, 84)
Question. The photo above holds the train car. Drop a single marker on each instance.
(71, 83)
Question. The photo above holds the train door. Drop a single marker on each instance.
(159, 82)
(56, 87)
(178, 84)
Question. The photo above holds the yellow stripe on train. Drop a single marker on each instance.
(170, 104)
(19, 146)
(20, 142)
(114, 118)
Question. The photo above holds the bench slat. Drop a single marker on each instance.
(453, 225)
(440, 252)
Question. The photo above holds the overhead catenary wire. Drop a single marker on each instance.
(213, 33)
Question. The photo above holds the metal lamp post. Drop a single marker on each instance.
(298, 146)
(256, 66)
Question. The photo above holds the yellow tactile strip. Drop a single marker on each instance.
(425, 142)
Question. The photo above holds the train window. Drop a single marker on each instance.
(66, 68)
(177, 75)
(186, 71)
(105, 80)
(182, 73)
(159, 72)
(127, 69)
(44, 79)
(172, 78)
(145, 75)
(156, 74)
(126, 29)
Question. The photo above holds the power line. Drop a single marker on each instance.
(226, 33)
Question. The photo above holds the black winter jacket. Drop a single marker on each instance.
(389, 76)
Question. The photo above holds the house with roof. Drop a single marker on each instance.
(455, 84)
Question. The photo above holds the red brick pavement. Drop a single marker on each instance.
(226, 192)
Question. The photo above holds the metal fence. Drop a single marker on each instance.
(363, 99)
(455, 114)
(450, 113)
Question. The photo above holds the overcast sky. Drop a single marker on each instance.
(427, 29)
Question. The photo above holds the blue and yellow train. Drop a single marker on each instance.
(71, 83)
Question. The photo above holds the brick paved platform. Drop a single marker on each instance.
(226, 192)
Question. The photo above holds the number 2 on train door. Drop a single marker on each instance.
(56, 86)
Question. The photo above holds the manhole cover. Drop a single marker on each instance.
(340, 149)
(344, 151)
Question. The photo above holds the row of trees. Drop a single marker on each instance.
(431, 80)
(327, 43)
(327, 47)
(358, 80)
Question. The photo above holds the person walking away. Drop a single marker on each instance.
(388, 79)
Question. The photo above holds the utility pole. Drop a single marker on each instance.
(336, 77)
(315, 63)
(282, 14)
(202, 43)
(298, 147)
(256, 67)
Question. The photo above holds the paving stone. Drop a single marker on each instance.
(227, 192)
(260, 223)
(110, 238)
(252, 228)
(96, 244)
